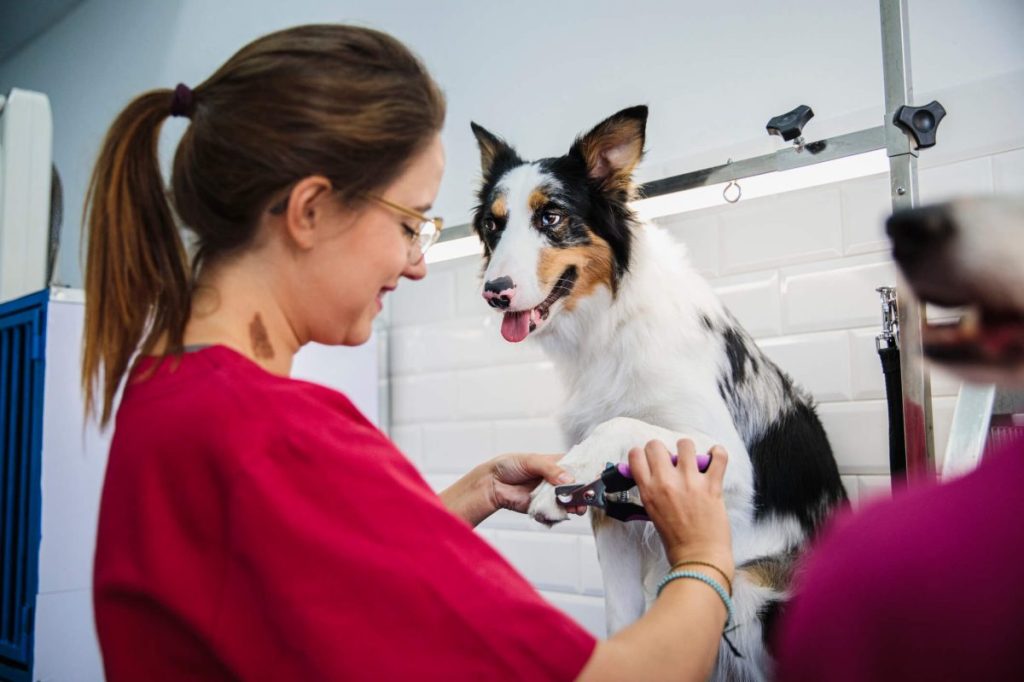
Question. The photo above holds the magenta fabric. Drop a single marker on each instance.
(253, 527)
(926, 586)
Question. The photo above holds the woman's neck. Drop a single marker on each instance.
(234, 305)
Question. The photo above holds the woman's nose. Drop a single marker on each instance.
(417, 270)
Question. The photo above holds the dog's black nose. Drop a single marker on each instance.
(919, 231)
(499, 292)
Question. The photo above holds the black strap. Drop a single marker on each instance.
(890, 358)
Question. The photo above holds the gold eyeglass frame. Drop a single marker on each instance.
(438, 223)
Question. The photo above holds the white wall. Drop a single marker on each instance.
(534, 71)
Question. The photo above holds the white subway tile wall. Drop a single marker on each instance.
(798, 270)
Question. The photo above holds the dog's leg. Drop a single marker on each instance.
(612, 440)
(620, 555)
(631, 555)
(655, 563)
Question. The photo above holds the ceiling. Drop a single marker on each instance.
(23, 20)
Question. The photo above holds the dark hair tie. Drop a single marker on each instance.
(181, 103)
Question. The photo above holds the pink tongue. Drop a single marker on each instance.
(516, 326)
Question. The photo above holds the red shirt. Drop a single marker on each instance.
(926, 586)
(260, 528)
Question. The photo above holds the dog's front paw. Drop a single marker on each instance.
(544, 505)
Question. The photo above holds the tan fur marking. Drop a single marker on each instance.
(538, 200)
(774, 572)
(499, 208)
(594, 265)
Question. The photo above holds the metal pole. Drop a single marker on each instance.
(902, 150)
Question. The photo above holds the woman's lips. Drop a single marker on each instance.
(380, 297)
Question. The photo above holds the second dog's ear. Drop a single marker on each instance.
(492, 148)
(614, 147)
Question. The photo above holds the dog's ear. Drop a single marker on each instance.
(492, 149)
(612, 150)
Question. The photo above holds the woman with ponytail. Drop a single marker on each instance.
(254, 527)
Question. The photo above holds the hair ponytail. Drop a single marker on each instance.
(137, 284)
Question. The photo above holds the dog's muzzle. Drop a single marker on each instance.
(919, 233)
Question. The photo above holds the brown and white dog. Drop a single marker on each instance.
(646, 350)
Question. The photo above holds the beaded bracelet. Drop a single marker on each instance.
(694, 562)
(710, 582)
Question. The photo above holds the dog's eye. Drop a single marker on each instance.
(490, 225)
(550, 219)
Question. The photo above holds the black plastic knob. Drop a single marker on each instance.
(791, 124)
(921, 122)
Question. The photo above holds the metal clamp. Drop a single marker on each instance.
(890, 336)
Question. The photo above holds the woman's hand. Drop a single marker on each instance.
(513, 477)
(685, 505)
(504, 482)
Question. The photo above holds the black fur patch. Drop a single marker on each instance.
(769, 614)
(607, 213)
(505, 159)
(736, 351)
(795, 473)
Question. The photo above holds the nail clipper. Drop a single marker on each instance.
(611, 492)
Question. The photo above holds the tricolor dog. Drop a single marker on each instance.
(647, 351)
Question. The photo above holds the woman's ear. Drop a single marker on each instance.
(307, 210)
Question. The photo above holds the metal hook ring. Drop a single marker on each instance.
(739, 192)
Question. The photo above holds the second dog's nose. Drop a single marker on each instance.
(917, 231)
(499, 292)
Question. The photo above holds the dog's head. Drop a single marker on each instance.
(968, 253)
(556, 231)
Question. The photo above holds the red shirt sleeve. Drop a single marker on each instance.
(343, 563)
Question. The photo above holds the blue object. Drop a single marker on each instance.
(711, 582)
(22, 363)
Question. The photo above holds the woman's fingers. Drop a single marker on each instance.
(658, 459)
(547, 467)
(638, 466)
(716, 468)
(523, 468)
(687, 462)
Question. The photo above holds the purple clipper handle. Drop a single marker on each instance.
(703, 462)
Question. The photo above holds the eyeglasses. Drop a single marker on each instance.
(423, 236)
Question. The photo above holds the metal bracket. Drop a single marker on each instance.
(890, 336)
